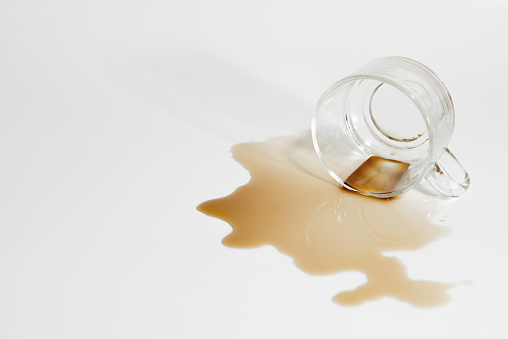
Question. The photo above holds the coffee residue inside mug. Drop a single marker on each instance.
(377, 175)
(292, 204)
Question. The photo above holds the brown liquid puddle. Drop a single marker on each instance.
(292, 204)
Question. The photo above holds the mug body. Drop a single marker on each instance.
(394, 110)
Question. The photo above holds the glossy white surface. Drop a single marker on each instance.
(116, 118)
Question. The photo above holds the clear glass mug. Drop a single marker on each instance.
(396, 109)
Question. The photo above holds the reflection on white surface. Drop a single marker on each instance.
(327, 229)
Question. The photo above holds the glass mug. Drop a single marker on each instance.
(394, 110)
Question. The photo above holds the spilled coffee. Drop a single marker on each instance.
(291, 203)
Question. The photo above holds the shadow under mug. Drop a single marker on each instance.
(393, 108)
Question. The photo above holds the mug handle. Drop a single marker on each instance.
(448, 176)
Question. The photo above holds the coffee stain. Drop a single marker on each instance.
(292, 204)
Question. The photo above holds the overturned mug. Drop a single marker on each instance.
(384, 128)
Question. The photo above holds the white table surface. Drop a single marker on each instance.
(116, 121)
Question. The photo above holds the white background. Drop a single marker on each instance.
(116, 120)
